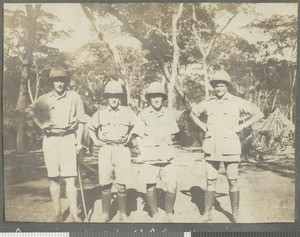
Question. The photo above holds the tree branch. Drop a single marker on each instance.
(37, 86)
(175, 54)
(29, 91)
(153, 28)
(228, 22)
(133, 31)
(112, 48)
(199, 41)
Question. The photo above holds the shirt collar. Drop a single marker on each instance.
(227, 96)
(54, 94)
(110, 109)
(160, 112)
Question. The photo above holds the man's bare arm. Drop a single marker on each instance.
(255, 118)
(197, 121)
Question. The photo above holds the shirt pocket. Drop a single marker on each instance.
(231, 116)
(211, 117)
(231, 143)
(208, 143)
(104, 126)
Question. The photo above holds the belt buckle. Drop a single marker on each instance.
(61, 133)
(112, 143)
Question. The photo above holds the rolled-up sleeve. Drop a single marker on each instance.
(80, 114)
(94, 123)
(248, 108)
(132, 117)
(139, 126)
(198, 109)
(173, 124)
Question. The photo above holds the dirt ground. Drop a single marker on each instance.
(267, 191)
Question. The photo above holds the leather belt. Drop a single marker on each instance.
(59, 133)
(114, 143)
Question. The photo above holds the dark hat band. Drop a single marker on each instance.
(148, 96)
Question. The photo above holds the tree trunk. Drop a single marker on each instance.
(120, 68)
(22, 102)
(175, 56)
(128, 93)
(206, 80)
(134, 32)
(292, 77)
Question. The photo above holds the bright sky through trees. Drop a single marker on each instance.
(72, 17)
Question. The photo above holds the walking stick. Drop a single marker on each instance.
(81, 191)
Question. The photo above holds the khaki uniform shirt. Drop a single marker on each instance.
(156, 129)
(62, 112)
(113, 124)
(222, 116)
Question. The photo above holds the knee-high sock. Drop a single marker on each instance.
(122, 201)
(169, 202)
(106, 199)
(71, 193)
(152, 201)
(55, 196)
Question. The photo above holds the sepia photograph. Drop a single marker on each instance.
(149, 112)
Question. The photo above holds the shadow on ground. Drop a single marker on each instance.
(197, 195)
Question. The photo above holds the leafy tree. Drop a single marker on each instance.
(280, 47)
(147, 22)
(27, 61)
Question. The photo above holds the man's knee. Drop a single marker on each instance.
(121, 188)
(70, 183)
(211, 184)
(233, 184)
(212, 169)
(232, 170)
(151, 187)
(54, 181)
(106, 188)
(171, 186)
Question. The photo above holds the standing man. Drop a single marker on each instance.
(110, 128)
(153, 130)
(222, 143)
(61, 115)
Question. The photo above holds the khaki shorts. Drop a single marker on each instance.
(114, 159)
(212, 169)
(149, 173)
(60, 155)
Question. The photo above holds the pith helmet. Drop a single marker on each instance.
(155, 88)
(113, 87)
(58, 72)
(221, 77)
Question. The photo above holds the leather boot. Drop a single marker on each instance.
(235, 202)
(209, 200)
(122, 205)
(55, 196)
(72, 199)
(106, 199)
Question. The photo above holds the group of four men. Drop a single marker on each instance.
(113, 127)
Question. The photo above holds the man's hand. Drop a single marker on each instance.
(238, 128)
(78, 147)
(142, 151)
(125, 139)
(102, 137)
(137, 160)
